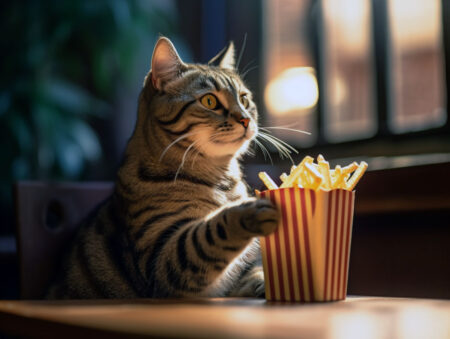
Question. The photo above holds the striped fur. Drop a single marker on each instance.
(180, 221)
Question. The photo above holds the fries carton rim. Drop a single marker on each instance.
(303, 188)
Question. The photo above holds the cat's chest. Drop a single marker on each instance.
(230, 193)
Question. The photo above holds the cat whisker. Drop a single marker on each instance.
(281, 141)
(255, 146)
(197, 151)
(264, 150)
(241, 51)
(247, 66)
(279, 145)
(244, 74)
(183, 160)
(290, 125)
(286, 129)
(197, 131)
(184, 136)
(251, 150)
(286, 151)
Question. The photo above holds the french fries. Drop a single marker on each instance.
(307, 174)
(296, 171)
(267, 181)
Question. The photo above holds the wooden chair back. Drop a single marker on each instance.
(47, 216)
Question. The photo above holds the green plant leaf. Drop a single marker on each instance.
(85, 137)
(69, 157)
(71, 98)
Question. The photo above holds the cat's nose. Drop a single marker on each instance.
(243, 120)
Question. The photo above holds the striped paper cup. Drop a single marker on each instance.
(306, 258)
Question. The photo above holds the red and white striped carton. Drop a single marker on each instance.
(306, 258)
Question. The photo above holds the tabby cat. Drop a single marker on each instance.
(180, 221)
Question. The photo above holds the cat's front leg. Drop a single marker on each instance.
(199, 253)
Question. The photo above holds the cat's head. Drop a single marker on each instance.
(205, 107)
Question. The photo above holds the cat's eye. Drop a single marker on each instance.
(244, 100)
(209, 101)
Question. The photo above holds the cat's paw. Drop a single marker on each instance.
(252, 285)
(259, 216)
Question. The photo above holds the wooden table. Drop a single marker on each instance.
(357, 317)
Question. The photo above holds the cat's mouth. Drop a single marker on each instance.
(247, 135)
(233, 141)
(218, 143)
(237, 139)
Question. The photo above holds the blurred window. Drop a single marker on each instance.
(416, 61)
(349, 108)
(291, 91)
(395, 46)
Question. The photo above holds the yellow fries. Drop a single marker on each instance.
(295, 172)
(307, 174)
(338, 177)
(356, 176)
(324, 169)
(350, 168)
(267, 181)
(314, 175)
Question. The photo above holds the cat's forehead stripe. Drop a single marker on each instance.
(226, 83)
(214, 82)
(197, 78)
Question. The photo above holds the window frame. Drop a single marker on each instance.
(433, 140)
(376, 145)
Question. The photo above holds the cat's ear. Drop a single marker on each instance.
(166, 63)
(225, 58)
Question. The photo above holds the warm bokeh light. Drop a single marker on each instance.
(415, 23)
(419, 321)
(339, 91)
(349, 21)
(358, 324)
(293, 90)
